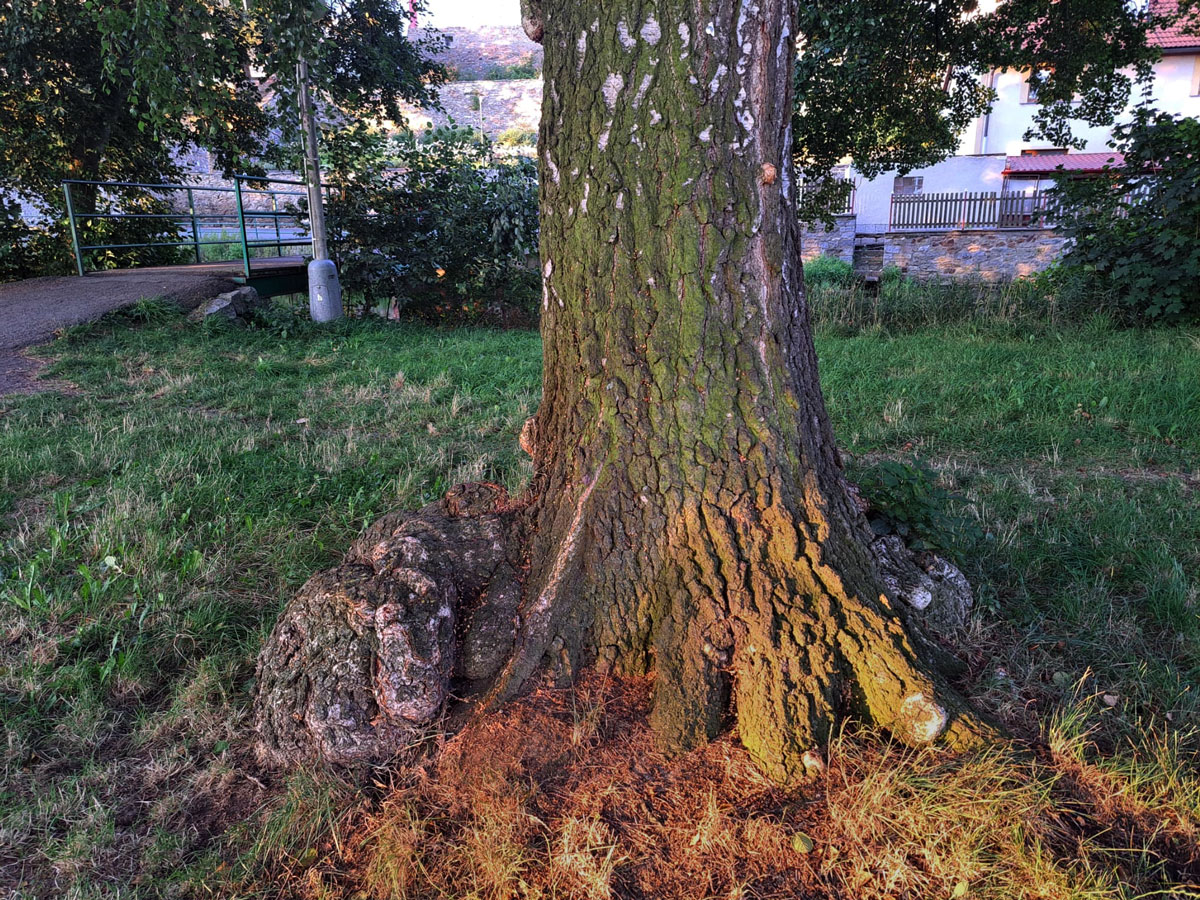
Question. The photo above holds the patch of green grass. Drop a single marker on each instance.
(153, 523)
(1088, 394)
(1079, 449)
(841, 303)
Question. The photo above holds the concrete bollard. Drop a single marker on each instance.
(324, 291)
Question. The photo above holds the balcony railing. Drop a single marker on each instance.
(982, 210)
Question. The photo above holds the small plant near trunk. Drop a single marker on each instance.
(907, 498)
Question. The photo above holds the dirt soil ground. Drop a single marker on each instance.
(32, 311)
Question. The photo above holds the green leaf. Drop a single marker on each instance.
(802, 843)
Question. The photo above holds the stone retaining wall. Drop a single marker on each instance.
(506, 104)
(475, 53)
(225, 204)
(816, 241)
(932, 255)
(987, 255)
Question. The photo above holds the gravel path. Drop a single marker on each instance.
(32, 311)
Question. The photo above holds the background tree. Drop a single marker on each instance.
(892, 85)
(101, 91)
(98, 90)
(1135, 230)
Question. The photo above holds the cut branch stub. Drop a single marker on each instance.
(363, 657)
(532, 20)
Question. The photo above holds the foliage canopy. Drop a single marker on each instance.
(116, 90)
(893, 83)
(1134, 231)
(104, 91)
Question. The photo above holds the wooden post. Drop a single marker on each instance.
(312, 165)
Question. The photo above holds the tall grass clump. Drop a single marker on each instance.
(844, 304)
(829, 271)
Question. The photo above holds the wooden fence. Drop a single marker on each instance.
(845, 206)
(971, 209)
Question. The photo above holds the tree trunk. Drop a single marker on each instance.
(688, 514)
(691, 515)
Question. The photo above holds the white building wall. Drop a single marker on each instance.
(1177, 84)
(959, 173)
(980, 160)
(1173, 90)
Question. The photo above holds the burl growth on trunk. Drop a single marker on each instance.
(365, 655)
(426, 605)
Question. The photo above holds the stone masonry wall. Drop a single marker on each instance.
(225, 204)
(986, 255)
(506, 104)
(932, 255)
(816, 241)
(476, 53)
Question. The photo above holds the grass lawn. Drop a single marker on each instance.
(154, 519)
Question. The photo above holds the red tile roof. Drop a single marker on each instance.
(1048, 163)
(1183, 35)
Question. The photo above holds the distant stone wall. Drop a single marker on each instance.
(506, 104)
(932, 255)
(816, 241)
(476, 53)
(212, 203)
(986, 255)
(30, 212)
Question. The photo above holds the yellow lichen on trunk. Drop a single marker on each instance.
(688, 509)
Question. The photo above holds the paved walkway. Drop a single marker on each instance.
(32, 311)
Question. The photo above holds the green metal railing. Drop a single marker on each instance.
(182, 217)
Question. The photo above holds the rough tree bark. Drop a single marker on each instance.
(688, 514)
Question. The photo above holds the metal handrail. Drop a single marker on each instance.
(194, 187)
(250, 214)
(290, 242)
(242, 185)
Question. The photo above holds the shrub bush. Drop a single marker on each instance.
(517, 71)
(517, 137)
(33, 250)
(829, 270)
(401, 143)
(442, 228)
(1133, 230)
(28, 251)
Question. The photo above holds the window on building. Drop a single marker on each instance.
(1044, 151)
(1029, 89)
(1196, 77)
(908, 184)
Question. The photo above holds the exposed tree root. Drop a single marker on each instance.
(429, 604)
